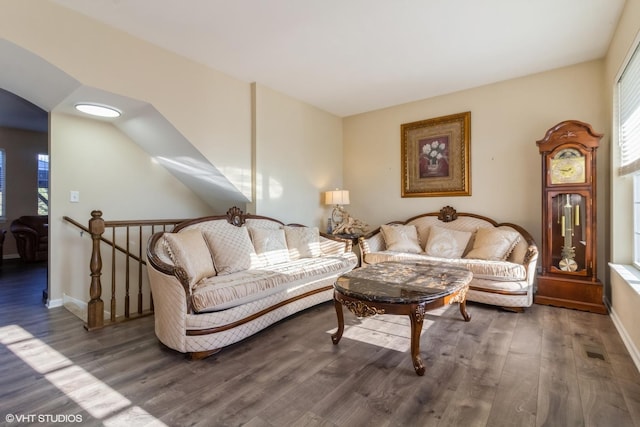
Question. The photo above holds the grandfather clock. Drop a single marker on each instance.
(568, 278)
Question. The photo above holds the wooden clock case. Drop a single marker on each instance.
(568, 252)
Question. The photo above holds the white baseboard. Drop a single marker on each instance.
(628, 343)
(79, 307)
(75, 306)
(53, 303)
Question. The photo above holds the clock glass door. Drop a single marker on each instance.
(568, 251)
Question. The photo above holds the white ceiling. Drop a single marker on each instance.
(353, 56)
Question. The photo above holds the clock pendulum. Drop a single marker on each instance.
(568, 221)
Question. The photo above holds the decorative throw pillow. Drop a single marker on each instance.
(303, 242)
(493, 244)
(231, 248)
(446, 243)
(189, 251)
(401, 238)
(270, 244)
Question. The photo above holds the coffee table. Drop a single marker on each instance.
(404, 288)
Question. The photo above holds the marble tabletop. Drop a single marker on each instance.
(403, 282)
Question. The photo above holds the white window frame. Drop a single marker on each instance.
(628, 128)
(628, 107)
(38, 184)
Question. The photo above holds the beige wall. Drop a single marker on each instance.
(211, 109)
(21, 150)
(624, 295)
(113, 175)
(298, 149)
(507, 119)
(299, 156)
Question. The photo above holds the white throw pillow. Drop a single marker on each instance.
(270, 244)
(189, 251)
(446, 243)
(493, 244)
(303, 242)
(401, 238)
(231, 248)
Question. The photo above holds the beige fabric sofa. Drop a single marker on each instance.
(502, 257)
(220, 279)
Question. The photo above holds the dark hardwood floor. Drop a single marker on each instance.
(545, 367)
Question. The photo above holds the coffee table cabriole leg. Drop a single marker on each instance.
(416, 315)
(335, 338)
(463, 311)
(461, 299)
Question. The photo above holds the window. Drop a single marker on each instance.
(43, 184)
(2, 185)
(629, 116)
(628, 95)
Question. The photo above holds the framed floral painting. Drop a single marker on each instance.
(436, 157)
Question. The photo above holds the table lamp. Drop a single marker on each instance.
(337, 198)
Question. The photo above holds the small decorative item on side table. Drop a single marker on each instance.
(341, 223)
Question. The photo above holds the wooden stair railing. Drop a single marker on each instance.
(96, 228)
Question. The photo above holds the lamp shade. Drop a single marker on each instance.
(336, 197)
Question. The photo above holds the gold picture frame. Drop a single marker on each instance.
(436, 156)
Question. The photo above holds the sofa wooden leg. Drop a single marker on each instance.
(514, 309)
(199, 355)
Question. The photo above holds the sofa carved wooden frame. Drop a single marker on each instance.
(238, 218)
(234, 216)
(449, 214)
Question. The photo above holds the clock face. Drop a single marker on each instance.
(567, 167)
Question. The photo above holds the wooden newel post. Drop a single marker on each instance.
(95, 309)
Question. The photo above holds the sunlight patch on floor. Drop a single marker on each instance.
(97, 398)
(385, 330)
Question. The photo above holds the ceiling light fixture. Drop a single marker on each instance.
(98, 110)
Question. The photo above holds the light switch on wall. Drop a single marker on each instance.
(74, 196)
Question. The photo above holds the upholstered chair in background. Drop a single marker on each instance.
(31, 234)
